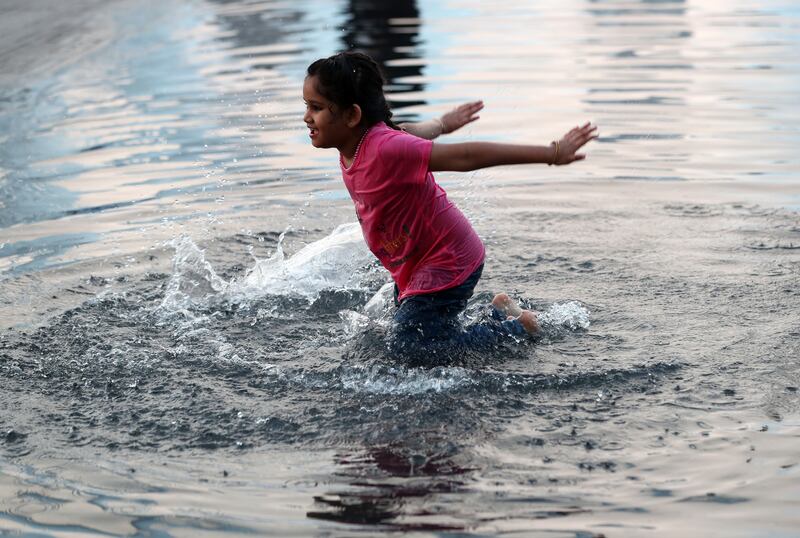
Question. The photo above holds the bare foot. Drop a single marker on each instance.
(506, 305)
(529, 321)
(509, 307)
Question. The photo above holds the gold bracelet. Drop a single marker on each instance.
(555, 156)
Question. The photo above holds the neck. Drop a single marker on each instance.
(350, 147)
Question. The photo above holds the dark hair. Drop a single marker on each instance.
(353, 78)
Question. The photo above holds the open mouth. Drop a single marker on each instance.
(312, 132)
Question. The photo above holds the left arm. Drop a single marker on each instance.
(453, 120)
(470, 156)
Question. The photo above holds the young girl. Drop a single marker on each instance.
(422, 239)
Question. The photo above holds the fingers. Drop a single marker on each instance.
(583, 139)
(469, 110)
(585, 131)
(460, 116)
(569, 159)
(576, 138)
(473, 106)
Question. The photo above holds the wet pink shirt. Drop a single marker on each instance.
(424, 241)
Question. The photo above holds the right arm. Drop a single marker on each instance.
(452, 121)
(470, 156)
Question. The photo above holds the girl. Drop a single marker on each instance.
(422, 239)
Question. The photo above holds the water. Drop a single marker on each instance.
(191, 331)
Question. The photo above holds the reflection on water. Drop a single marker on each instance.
(182, 355)
(192, 114)
(383, 480)
(389, 32)
(640, 83)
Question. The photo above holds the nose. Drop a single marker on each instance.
(307, 116)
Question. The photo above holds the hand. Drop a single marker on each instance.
(572, 142)
(460, 116)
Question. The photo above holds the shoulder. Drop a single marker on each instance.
(390, 142)
(401, 156)
(382, 133)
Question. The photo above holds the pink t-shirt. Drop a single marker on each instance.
(424, 241)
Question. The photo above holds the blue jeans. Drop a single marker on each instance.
(427, 327)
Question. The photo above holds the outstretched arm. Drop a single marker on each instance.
(475, 155)
(453, 120)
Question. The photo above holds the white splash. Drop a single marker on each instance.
(353, 323)
(333, 262)
(404, 381)
(375, 313)
(377, 379)
(570, 315)
(193, 279)
(379, 304)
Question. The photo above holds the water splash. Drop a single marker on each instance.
(393, 380)
(354, 323)
(378, 305)
(334, 262)
(376, 312)
(379, 379)
(404, 381)
(193, 281)
(571, 316)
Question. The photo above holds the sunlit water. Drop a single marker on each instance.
(192, 330)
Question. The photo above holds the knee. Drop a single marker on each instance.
(402, 339)
(394, 345)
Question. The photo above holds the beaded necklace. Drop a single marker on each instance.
(358, 147)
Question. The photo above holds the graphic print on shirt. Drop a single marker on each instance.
(390, 246)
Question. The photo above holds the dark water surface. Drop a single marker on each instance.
(192, 345)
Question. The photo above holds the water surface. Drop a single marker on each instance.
(191, 330)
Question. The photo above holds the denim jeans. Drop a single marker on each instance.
(427, 325)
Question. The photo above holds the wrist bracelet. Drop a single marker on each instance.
(555, 155)
(441, 124)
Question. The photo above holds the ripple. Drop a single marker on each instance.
(163, 321)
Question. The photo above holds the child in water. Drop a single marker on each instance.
(428, 246)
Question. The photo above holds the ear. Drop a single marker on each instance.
(354, 116)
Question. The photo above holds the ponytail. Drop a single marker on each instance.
(353, 78)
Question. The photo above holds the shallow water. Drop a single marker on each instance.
(191, 331)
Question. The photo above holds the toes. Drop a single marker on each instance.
(529, 322)
(501, 301)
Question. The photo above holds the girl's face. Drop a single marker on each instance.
(327, 124)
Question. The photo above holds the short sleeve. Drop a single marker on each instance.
(406, 157)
